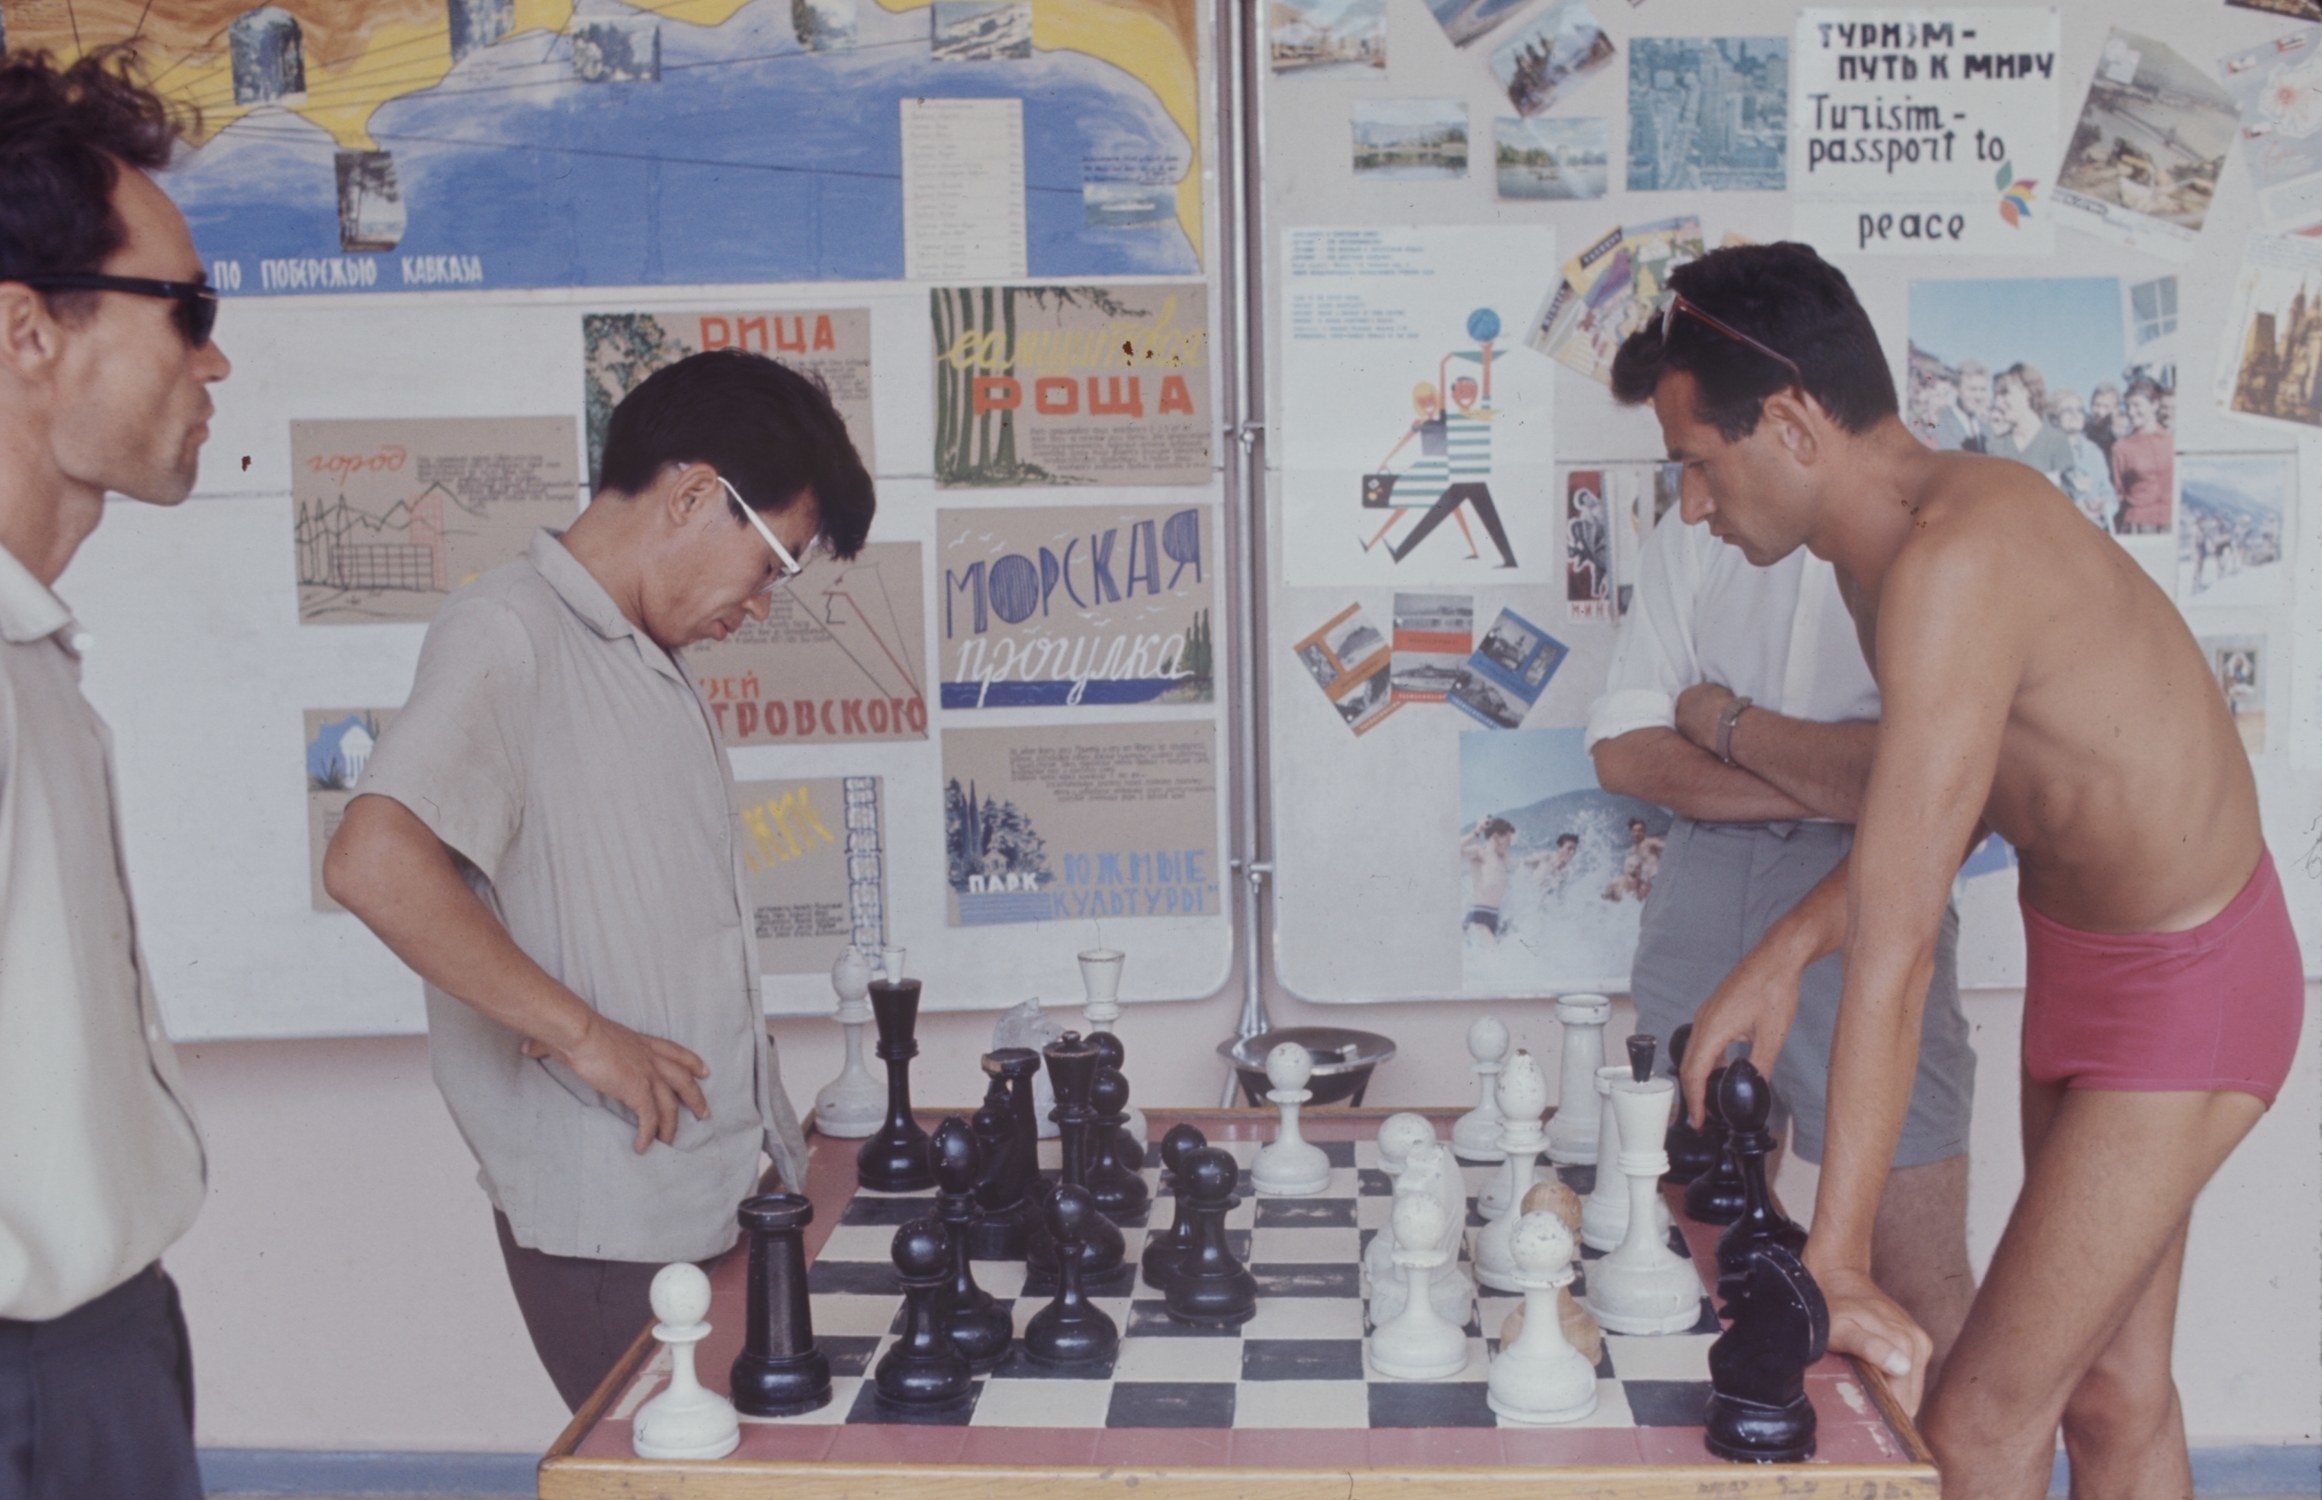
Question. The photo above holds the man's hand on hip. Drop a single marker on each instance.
(649, 1074)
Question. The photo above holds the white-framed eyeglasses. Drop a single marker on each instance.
(790, 567)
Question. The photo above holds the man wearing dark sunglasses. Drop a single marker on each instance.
(105, 365)
(2034, 682)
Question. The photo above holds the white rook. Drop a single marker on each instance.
(1572, 1132)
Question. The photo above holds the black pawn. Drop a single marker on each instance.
(1072, 1068)
(1758, 1409)
(1111, 1054)
(779, 1372)
(1009, 1127)
(1070, 1330)
(1690, 1153)
(1745, 1100)
(924, 1370)
(980, 1327)
(1715, 1197)
(1162, 1251)
(895, 1160)
(1211, 1289)
(1119, 1192)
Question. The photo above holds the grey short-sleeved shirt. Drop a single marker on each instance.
(570, 762)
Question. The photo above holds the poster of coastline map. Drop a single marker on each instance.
(379, 146)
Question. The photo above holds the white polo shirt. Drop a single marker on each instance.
(1779, 636)
(101, 1166)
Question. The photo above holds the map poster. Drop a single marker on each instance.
(1418, 435)
(814, 861)
(1110, 820)
(618, 350)
(1079, 606)
(838, 659)
(339, 742)
(1926, 131)
(1040, 385)
(426, 145)
(393, 514)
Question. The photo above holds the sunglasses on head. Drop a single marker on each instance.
(1678, 303)
(196, 309)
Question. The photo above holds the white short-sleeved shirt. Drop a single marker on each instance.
(1779, 636)
(101, 1166)
(569, 760)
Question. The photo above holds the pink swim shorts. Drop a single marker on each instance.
(2214, 1007)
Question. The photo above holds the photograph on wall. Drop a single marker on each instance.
(1465, 20)
(1635, 496)
(339, 742)
(1433, 635)
(1041, 385)
(1937, 135)
(392, 514)
(838, 659)
(618, 350)
(2278, 89)
(1085, 605)
(2035, 369)
(2239, 663)
(1507, 672)
(1410, 422)
(1552, 157)
(1351, 662)
(2301, 10)
(1553, 869)
(1408, 140)
(1588, 564)
(2271, 365)
(2142, 162)
(1609, 290)
(823, 25)
(2233, 528)
(1708, 113)
(814, 862)
(1326, 37)
(1077, 821)
(980, 30)
(1551, 55)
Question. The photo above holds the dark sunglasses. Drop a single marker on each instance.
(1677, 303)
(197, 302)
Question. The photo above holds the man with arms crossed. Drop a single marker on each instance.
(547, 834)
(2034, 681)
(1766, 787)
(105, 364)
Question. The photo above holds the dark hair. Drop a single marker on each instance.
(1568, 838)
(1786, 297)
(64, 136)
(771, 431)
(1494, 827)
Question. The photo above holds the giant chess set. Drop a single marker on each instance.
(1513, 1273)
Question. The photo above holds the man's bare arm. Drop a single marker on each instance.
(1823, 767)
(1662, 767)
(389, 869)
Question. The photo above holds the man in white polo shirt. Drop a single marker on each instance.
(1739, 700)
(105, 364)
(548, 835)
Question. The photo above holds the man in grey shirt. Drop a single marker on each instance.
(548, 835)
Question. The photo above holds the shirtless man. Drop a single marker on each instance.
(1486, 852)
(2035, 682)
(1640, 867)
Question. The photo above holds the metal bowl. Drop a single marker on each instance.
(1343, 1059)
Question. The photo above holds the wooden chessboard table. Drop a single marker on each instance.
(1283, 1407)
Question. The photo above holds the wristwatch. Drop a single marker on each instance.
(1727, 717)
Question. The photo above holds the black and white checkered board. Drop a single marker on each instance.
(1297, 1364)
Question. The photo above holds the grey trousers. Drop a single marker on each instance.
(98, 1404)
(582, 1314)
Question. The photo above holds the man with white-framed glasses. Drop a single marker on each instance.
(547, 835)
(105, 367)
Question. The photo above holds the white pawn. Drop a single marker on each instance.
(1540, 1377)
(1290, 1166)
(1397, 1135)
(1572, 1133)
(1417, 1343)
(854, 1103)
(1475, 1136)
(684, 1421)
(1604, 1216)
(1523, 1095)
(1430, 1173)
(1643, 1286)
